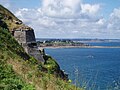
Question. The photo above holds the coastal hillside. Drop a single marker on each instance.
(10, 19)
(21, 71)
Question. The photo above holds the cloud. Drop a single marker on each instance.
(101, 21)
(28, 14)
(90, 9)
(70, 19)
(114, 20)
(61, 8)
(63, 18)
(113, 25)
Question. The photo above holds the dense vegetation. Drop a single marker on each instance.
(19, 71)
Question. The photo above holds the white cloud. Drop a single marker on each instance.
(61, 8)
(70, 19)
(90, 9)
(114, 20)
(115, 13)
(101, 21)
(28, 15)
(63, 18)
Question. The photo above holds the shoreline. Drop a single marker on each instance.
(55, 47)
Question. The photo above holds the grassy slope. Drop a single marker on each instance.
(9, 18)
(6, 12)
(19, 71)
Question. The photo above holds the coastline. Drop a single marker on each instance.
(55, 47)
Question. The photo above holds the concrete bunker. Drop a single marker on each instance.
(26, 37)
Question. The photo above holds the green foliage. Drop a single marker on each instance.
(51, 64)
(9, 80)
(6, 13)
(28, 87)
(32, 60)
(9, 20)
(8, 43)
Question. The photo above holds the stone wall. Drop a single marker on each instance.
(27, 39)
(20, 36)
(30, 36)
(24, 36)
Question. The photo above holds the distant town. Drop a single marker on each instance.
(70, 42)
(58, 42)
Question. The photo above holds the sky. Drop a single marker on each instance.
(69, 18)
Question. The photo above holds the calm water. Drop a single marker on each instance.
(104, 43)
(92, 67)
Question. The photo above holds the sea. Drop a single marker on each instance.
(90, 68)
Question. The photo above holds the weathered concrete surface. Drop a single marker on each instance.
(30, 36)
(26, 37)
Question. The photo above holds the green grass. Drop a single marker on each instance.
(20, 71)
(6, 13)
(9, 80)
(8, 43)
(9, 18)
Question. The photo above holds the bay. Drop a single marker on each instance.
(92, 68)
